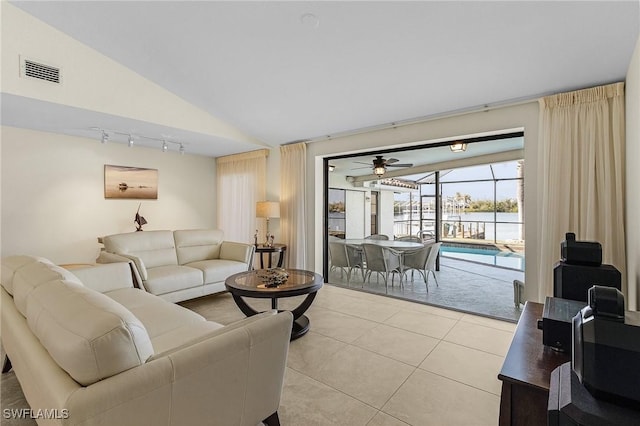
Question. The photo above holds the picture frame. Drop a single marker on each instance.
(124, 182)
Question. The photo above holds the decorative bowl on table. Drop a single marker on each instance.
(273, 277)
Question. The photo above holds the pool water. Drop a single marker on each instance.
(503, 259)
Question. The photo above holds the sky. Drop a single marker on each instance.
(479, 190)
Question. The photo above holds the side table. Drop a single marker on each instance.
(276, 248)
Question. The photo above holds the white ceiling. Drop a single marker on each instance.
(361, 165)
(289, 71)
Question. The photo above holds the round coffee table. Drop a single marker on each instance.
(299, 282)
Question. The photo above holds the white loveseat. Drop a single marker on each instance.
(90, 349)
(179, 265)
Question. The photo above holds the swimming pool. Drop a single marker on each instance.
(503, 259)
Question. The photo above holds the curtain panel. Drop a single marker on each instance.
(240, 185)
(293, 214)
(582, 168)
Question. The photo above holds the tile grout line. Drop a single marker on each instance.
(455, 380)
(337, 390)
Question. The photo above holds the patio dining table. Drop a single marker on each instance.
(394, 244)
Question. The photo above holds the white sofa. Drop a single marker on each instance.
(90, 349)
(179, 265)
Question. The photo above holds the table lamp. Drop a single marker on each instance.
(268, 210)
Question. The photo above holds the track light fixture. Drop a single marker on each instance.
(130, 139)
(458, 147)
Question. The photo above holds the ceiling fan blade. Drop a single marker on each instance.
(360, 162)
(391, 161)
(358, 168)
(400, 165)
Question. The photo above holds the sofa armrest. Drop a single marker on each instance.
(234, 377)
(139, 270)
(237, 251)
(243, 366)
(105, 277)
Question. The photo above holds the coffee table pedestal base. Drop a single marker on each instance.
(251, 284)
(300, 321)
(300, 327)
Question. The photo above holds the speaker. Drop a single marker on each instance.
(580, 252)
(574, 281)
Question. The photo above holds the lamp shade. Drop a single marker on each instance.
(379, 170)
(267, 209)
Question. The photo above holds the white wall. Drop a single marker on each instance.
(520, 117)
(385, 213)
(53, 201)
(94, 81)
(355, 214)
(632, 226)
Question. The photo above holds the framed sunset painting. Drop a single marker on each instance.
(130, 182)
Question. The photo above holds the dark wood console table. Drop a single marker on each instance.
(526, 372)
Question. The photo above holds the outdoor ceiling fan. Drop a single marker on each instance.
(380, 164)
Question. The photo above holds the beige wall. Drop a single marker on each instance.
(523, 116)
(53, 201)
(632, 97)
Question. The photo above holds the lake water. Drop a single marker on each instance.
(507, 228)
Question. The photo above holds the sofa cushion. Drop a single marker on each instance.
(106, 277)
(193, 245)
(31, 276)
(89, 335)
(218, 270)
(169, 325)
(156, 314)
(165, 279)
(180, 336)
(11, 264)
(155, 248)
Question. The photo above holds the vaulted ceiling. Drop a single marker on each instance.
(289, 71)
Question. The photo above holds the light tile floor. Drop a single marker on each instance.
(373, 360)
(464, 286)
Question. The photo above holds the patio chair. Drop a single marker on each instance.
(431, 261)
(382, 260)
(416, 260)
(426, 236)
(411, 238)
(377, 237)
(346, 256)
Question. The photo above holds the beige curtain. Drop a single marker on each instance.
(293, 214)
(240, 185)
(582, 175)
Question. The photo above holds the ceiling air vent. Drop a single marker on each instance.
(40, 71)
